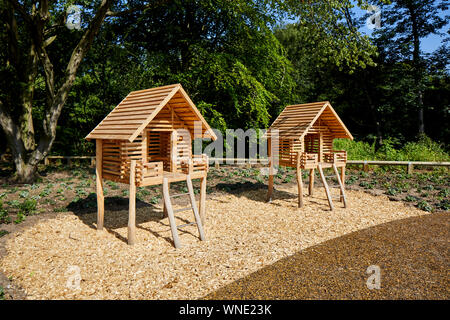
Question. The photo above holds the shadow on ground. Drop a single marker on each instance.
(116, 214)
(241, 189)
(413, 256)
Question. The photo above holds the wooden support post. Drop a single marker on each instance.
(99, 183)
(132, 205)
(343, 182)
(202, 202)
(216, 164)
(92, 162)
(164, 210)
(46, 161)
(173, 151)
(173, 227)
(311, 182)
(198, 220)
(270, 188)
(341, 186)
(299, 184)
(366, 166)
(410, 168)
(325, 185)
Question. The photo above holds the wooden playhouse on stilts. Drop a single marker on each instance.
(147, 140)
(302, 137)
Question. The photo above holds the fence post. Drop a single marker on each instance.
(366, 166)
(410, 168)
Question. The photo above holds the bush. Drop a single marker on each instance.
(28, 206)
(4, 217)
(422, 150)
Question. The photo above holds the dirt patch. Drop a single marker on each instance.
(244, 234)
(412, 254)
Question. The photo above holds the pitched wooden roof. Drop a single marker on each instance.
(127, 120)
(295, 120)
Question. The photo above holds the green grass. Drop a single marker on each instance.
(422, 150)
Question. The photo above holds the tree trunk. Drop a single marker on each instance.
(417, 70)
(373, 111)
(20, 134)
(25, 173)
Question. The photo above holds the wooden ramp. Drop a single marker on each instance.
(171, 213)
(327, 189)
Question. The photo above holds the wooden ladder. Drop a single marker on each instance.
(171, 213)
(327, 189)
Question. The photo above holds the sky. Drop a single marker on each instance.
(428, 44)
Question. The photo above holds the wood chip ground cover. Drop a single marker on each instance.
(244, 234)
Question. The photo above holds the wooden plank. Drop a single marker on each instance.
(132, 205)
(299, 184)
(341, 186)
(173, 227)
(311, 182)
(198, 220)
(343, 180)
(99, 185)
(153, 115)
(325, 185)
(202, 201)
(271, 170)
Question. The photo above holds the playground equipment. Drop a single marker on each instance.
(302, 137)
(147, 140)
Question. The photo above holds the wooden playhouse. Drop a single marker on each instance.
(147, 140)
(302, 137)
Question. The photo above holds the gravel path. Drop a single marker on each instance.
(413, 256)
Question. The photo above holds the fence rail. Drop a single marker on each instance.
(249, 162)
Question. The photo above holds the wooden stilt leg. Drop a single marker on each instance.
(340, 185)
(270, 190)
(164, 203)
(194, 207)
(270, 187)
(173, 226)
(311, 182)
(325, 185)
(99, 182)
(132, 205)
(299, 185)
(202, 202)
(343, 182)
(164, 210)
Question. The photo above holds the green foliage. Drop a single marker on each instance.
(19, 218)
(155, 200)
(422, 150)
(423, 205)
(4, 217)
(28, 207)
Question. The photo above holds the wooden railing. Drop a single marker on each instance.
(336, 156)
(194, 164)
(264, 161)
(309, 160)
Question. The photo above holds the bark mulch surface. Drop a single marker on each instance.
(412, 253)
(243, 235)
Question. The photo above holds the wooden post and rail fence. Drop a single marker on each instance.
(410, 165)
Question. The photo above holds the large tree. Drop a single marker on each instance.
(39, 66)
(404, 24)
(31, 27)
